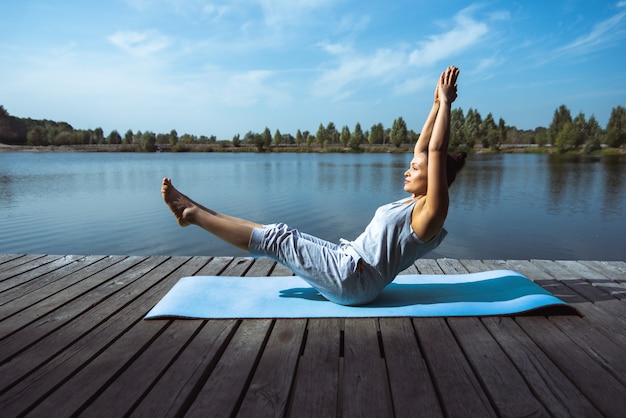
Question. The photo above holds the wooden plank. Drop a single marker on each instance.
(474, 266)
(118, 398)
(31, 292)
(540, 277)
(238, 267)
(121, 394)
(428, 266)
(18, 265)
(123, 340)
(260, 267)
(4, 258)
(42, 275)
(556, 392)
(412, 391)
(610, 326)
(547, 382)
(580, 285)
(507, 389)
(618, 266)
(459, 389)
(601, 300)
(597, 279)
(172, 394)
(365, 391)
(39, 319)
(450, 266)
(605, 392)
(268, 393)
(280, 270)
(122, 313)
(608, 353)
(37, 273)
(614, 270)
(220, 394)
(229, 403)
(317, 382)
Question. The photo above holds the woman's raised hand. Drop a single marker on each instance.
(446, 89)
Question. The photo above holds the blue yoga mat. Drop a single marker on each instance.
(496, 292)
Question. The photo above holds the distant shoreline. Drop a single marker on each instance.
(506, 149)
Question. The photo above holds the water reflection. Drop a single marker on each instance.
(502, 206)
(479, 185)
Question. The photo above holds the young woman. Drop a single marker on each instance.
(355, 272)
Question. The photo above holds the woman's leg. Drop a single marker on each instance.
(233, 230)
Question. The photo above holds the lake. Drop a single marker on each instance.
(510, 206)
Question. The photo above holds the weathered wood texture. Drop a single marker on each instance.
(73, 342)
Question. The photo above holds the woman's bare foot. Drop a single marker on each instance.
(181, 206)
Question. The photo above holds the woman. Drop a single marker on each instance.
(355, 272)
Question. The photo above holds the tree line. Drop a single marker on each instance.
(467, 130)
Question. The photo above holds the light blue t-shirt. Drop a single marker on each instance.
(389, 244)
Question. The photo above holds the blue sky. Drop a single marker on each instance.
(226, 67)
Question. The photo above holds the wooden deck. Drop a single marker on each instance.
(73, 343)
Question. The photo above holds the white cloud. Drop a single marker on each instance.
(389, 65)
(466, 33)
(140, 43)
(604, 33)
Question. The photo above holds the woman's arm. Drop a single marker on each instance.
(428, 219)
(422, 143)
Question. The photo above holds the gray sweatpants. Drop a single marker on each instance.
(335, 270)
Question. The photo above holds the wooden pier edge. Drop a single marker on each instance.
(73, 342)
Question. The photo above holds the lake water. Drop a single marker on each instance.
(508, 206)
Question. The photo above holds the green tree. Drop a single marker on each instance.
(472, 127)
(542, 138)
(236, 141)
(616, 127)
(580, 129)
(114, 138)
(264, 140)
(138, 138)
(357, 137)
(148, 141)
(566, 138)
(299, 138)
(162, 139)
(320, 136)
(594, 136)
(377, 134)
(399, 133)
(128, 137)
(277, 138)
(36, 136)
(502, 132)
(488, 132)
(80, 137)
(173, 137)
(457, 128)
(562, 117)
(345, 135)
(331, 133)
(98, 136)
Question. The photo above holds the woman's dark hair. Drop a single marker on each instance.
(454, 164)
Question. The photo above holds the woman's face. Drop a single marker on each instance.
(416, 177)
